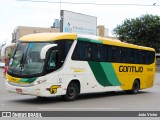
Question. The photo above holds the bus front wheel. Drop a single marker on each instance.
(72, 92)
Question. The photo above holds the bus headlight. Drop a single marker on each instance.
(38, 82)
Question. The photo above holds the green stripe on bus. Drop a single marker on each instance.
(28, 80)
(89, 40)
(110, 73)
(104, 73)
(99, 73)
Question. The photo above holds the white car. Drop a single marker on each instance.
(2, 64)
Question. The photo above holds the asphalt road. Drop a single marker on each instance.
(146, 100)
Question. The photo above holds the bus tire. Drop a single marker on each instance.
(72, 92)
(135, 87)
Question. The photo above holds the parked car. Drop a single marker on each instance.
(2, 64)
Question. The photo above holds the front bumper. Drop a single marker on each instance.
(42, 90)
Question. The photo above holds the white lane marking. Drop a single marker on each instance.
(82, 108)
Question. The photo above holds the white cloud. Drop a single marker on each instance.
(15, 13)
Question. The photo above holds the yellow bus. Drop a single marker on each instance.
(68, 64)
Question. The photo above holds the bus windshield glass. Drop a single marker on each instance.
(26, 59)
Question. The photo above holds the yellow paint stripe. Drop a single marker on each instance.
(79, 70)
(13, 79)
(116, 42)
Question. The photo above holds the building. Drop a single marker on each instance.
(56, 23)
(102, 31)
(24, 30)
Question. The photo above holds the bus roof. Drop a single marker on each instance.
(44, 37)
(123, 44)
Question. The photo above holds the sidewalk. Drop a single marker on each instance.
(1, 72)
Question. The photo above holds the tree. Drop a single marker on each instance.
(144, 30)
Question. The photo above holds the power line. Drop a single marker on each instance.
(78, 3)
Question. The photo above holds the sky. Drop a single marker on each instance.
(15, 13)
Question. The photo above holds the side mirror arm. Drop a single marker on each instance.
(45, 49)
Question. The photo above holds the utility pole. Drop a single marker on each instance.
(60, 5)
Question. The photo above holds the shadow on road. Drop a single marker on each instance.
(52, 100)
(107, 94)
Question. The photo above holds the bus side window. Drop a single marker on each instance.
(118, 54)
(76, 52)
(124, 55)
(94, 49)
(151, 57)
(109, 53)
(82, 51)
(87, 55)
(99, 52)
(115, 54)
(102, 53)
(144, 58)
(113, 58)
(131, 56)
(52, 62)
(138, 57)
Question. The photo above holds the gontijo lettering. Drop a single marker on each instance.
(130, 69)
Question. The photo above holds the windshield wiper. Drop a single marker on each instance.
(23, 62)
(19, 63)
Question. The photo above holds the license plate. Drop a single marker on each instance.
(18, 90)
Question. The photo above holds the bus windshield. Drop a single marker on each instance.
(26, 59)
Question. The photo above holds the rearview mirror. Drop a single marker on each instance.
(45, 49)
(3, 50)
